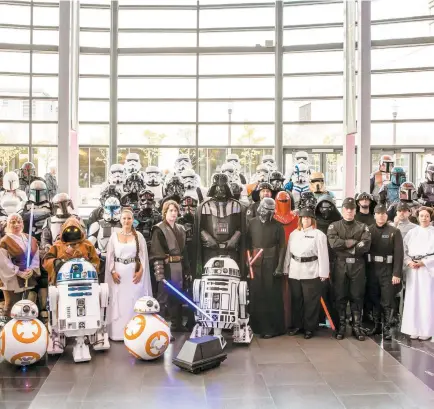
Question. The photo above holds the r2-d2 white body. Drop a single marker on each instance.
(78, 307)
(221, 294)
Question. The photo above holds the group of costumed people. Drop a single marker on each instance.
(287, 236)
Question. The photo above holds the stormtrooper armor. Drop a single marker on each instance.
(238, 188)
(222, 295)
(300, 181)
(234, 160)
(182, 163)
(12, 199)
(190, 180)
(302, 157)
(269, 162)
(78, 307)
(132, 164)
(154, 182)
(116, 178)
(425, 192)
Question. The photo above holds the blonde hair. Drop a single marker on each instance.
(300, 223)
(166, 206)
(11, 217)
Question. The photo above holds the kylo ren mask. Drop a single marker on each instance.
(266, 209)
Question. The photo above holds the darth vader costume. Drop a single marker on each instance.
(266, 296)
(219, 226)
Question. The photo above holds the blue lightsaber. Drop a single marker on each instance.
(29, 248)
(187, 299)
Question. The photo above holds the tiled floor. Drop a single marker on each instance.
(283, 372)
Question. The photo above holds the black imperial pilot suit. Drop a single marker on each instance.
(385, 259)
(350, 240)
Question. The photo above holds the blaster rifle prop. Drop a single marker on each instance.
(176, 291)
(29, 248)
(251, 261)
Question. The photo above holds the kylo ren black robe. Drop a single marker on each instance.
(266, 302)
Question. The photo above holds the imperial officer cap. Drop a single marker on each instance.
(349, 203)
(380, 208)
(402, 206)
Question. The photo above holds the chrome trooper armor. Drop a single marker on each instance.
(101, 230)
(12, 199)
(191, 183)
(269, 162)
(78, 307)
(154, 182)
(234, 159)
(222, 295)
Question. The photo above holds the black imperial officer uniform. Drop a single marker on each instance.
(350, 240)
(384, 269)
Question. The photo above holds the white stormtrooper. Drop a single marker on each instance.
(222, 295)
(154, 182)
(234, 159)
(78, 307)
(182, 162)
(299, 181)
(190, 180)
(132, 164)
(302, 157)
(116, 177)
(238, 189)
(269, 162)
(12, 199)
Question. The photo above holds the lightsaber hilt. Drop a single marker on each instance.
(187, 299)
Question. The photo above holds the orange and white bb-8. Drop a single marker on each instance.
(24, 339)
(147, 335)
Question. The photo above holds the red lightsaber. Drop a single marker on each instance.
(251, 261)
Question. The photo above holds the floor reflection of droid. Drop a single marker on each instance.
(222, 295)
(78, 307)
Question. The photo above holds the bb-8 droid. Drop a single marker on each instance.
(24, 339)
(78, 309)
(223, 296)
(147, 335)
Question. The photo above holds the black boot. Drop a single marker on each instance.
(387, 321)
(376, 314)
(340, 334)
(357, 331)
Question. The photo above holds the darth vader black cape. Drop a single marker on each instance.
(240, 254)
(266, 301)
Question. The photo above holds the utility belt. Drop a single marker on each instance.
(350, 260)
(173, 259)
(304, 259)
(125, 260)
(380, 259)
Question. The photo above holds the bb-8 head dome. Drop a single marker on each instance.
(147, 335)
(222, 266)
(24, 339)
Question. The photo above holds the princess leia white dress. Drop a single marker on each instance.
(123, 296)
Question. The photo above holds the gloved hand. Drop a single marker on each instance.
(232, 243)
(208, 241)
(350, 243)
(278, 273)
(58, 263)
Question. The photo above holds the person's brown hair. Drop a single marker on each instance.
(428, 209)
(300, 224)
(166, 206)
(136, 237)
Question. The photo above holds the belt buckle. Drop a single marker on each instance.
(379, 259)
(125, 261)
(350, 260)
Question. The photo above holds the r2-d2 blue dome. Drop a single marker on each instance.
(77, 269)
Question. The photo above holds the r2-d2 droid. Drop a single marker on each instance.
(78, 307)
(222, 295)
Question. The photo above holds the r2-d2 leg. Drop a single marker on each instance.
(80, 352)
(243, 334)
(55, 344)
(199, 330)
(101, 340)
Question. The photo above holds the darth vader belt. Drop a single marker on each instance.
(125, 260)
(173, 259)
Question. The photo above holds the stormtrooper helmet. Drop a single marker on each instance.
(269, 162)
(301, 171)
(302, 157)
(182, 162)
(229, 170)
(117, 174)
(132, 163)
(11, 181)
(153, 176)
(234, 159)
(266, 209)
(112, 209)
(262, 173)
(62, 205)
(189, 179)
(317, 182)
(38, 192)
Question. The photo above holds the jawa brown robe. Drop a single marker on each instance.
(289, 220)
(66, 251)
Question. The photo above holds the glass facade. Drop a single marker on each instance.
(198, 77)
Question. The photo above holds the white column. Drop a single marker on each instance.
(350, 126)
(114, 83)
(278, 97)
(364, 96)
(64, 107)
